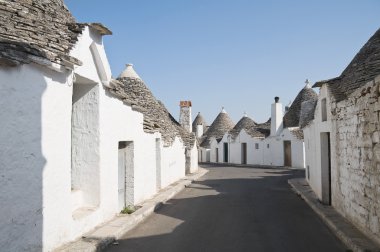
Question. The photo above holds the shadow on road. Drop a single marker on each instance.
(245, 209)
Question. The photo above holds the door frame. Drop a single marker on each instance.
(244, 153)
(287, 155)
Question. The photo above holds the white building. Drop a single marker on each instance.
(278, 142)
(215, 132)
(243, 142)
(200, 127)
(73, 150)
(343, 143)
(285, 145)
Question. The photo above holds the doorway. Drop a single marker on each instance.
(288, 153)
(217, 155)
(225, 152)
(244, 153)
(326, 168)
(85, 159)
(125, 174)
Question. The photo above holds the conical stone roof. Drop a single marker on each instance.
(129, 72)
(221, 125)
(37, 31)
(133, 91)
(292, 117)
(364, 67)
(251, 127)
(199, 120)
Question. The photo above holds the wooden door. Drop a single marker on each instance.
(287, 153)
(244, 153)
(225, 152)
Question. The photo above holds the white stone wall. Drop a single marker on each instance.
(254, 156)
(270, 150)
(312, 135)
(34, 143)
(40, 210)
(173, 163)
(274, 154)
(204, 155)
(194, 159)
(356, 170)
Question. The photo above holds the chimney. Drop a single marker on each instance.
(185, 115)
(199, 131)
(276, 117)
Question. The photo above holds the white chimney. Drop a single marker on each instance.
(199, 131)
(185, 115)
(276, 117)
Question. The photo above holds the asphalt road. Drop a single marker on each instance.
(234, 209)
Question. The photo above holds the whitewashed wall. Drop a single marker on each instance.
(313, 143)
(213, 146)
(274, 155)
(41, 211)
(270, 150)
(194, 159)
(254, 156)
(173, 162)
(34, 142)
(355, 173)
(204, 155)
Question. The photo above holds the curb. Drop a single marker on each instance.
(104, 235)
(351, 236)
(213, 164)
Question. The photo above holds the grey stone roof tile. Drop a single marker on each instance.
(221, 125)
(251, 127)
(157, 118)
(199, 120)
(37, 31)
(292, 117)
(307, 112)
(364, 67)
(297, 132)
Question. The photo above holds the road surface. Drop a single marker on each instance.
(234, 209)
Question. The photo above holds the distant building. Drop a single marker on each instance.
(199, 125)
(278, 142)
(216, 131)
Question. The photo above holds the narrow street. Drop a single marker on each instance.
(234, 209)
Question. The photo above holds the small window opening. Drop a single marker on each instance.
(324, 110)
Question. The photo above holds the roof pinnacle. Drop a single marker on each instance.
(308, 85)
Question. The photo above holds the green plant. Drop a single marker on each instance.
(128, 210)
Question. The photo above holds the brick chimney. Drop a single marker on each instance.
(185, 115)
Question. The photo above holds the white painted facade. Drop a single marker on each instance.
(274, 150)
(204, 155)
(312, 137)
(260, 150)
(60, 141)
(351, 185)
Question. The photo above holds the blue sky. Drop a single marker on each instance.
(237, 54)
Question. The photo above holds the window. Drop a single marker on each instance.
(256, 146)
(324, 110)
(268, 146)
